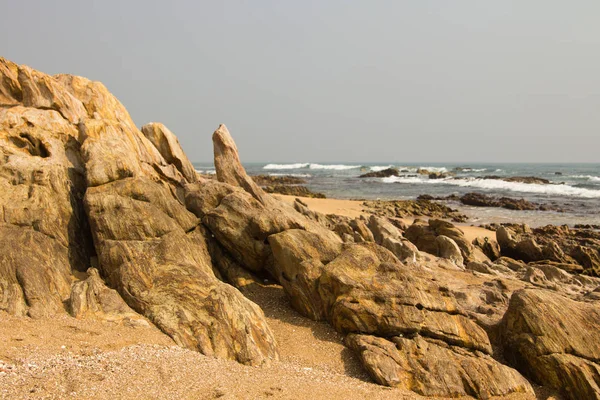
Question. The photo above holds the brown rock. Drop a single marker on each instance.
(447, 248)
(150, 249)
(91, 298)
(229, 167)
(168, 145)
(434, 369)
(381, 174)
(554, 340)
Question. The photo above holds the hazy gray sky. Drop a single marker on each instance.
(336, 80)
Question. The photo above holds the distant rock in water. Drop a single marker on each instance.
(265, 180)
(521, 179)
(293, 190)
(382, 174)
(434, 174)
(482, 200)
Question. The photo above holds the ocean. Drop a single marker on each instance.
(574, 187)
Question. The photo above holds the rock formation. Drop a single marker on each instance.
(84, 190)
(75, 168)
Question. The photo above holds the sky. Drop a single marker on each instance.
(333, 80)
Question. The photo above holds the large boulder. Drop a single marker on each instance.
(435, 369)
(151, 249)
(554, 340)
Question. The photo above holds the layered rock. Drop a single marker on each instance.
(424, 235)
(576, 250)
(554, 340)
(433, 368)
(62, 137)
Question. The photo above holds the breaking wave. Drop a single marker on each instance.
(495, 184)
(286, 166)
(339, 167)
(588, 177)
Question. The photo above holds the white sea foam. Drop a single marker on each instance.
(286, 166)
(588, 177)
(207, 172)
(339, 167)
(496, 184)
(474, 169)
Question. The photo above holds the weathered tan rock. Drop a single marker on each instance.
(63, 136)
(447, 248)
(41, 217)
(168, 146)
(150, 249)
(433, 368)
(243, 225)
(91, 298)
(301, 257)
(554, 340)
(229, 167)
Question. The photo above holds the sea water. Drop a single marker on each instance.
(573, 187)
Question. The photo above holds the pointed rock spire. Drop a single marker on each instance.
(228, 165)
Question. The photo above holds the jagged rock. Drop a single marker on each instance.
(403, 249)
(364, 289)
(482, 200)
(63, 136)
(554, 340)
(168, 145)
(423, 235)
(435, 369)
(562, 245)
(447, 248)
(229, 167)
(92, 298)
(361, 229)
(301, 257)
(151, 250)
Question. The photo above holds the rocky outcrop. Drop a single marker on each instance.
(424, 235)
(382, 174)
(294, 190)
(80, 180)
(412, 208)
(577, 250)
(554, 340)
(433, 368)
(168, 145)
(83, 187)
(271, 180)
(228, 166)
(393, 313)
